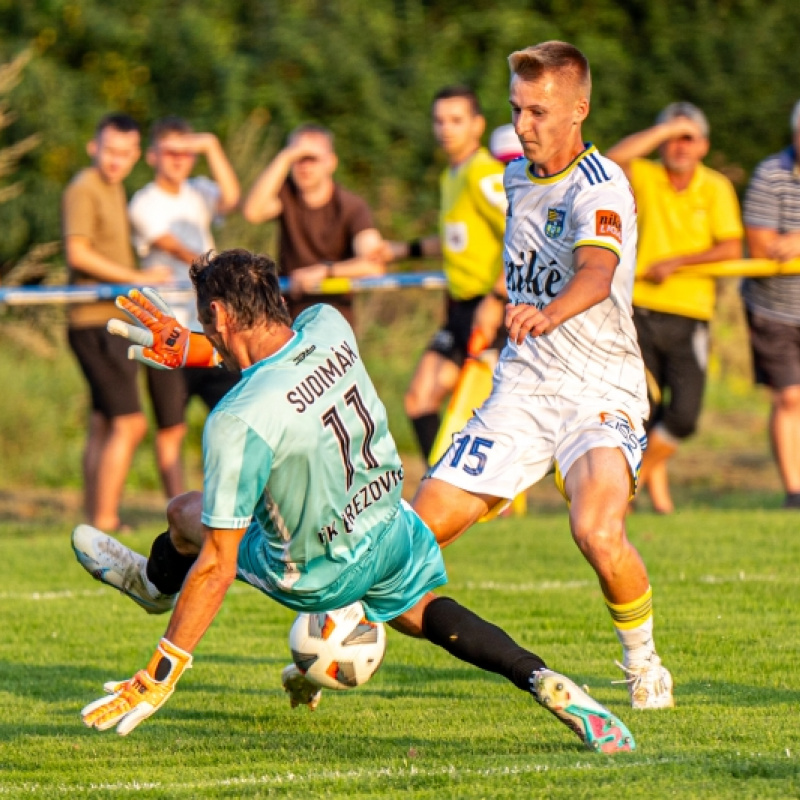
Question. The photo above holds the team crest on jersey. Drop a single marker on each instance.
(555, 223)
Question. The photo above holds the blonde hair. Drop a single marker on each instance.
(557, 57)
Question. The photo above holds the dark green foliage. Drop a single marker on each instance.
(368, 68)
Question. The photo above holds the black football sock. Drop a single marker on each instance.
(474, 640)
(166, 567)
(426, 427)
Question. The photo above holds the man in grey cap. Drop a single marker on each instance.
(688, 214)
(772, 226)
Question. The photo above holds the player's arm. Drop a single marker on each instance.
(205, 587)
(82, 256)
(201, 597)
(643, 143)
(591, 284)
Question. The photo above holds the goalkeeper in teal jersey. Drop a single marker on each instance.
(301, 499)
(302, 448)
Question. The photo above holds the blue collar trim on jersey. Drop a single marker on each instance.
(589, 150)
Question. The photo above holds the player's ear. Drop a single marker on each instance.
(703, 147)
(581, 110)
(91, 148)
(479, 125)
(150, 157)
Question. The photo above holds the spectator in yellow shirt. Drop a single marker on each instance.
(688, 214)
(470, 242)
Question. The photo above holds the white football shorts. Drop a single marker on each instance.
(512, 442)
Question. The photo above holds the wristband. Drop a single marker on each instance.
(415, 248)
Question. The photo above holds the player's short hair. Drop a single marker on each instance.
(314, 128)
(247, 283)
(684, 109)
(795, 118)
(464, 92)
(166, 125)
(124, 123)
(563, 58)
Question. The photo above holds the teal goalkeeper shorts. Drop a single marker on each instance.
(403, 565)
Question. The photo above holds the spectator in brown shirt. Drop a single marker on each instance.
(325, 230)
(97, 246)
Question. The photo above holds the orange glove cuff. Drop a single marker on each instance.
(201, 352)
(168, 662)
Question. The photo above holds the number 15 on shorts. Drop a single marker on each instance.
(470, 453)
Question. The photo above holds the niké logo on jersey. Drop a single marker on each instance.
(554, 226)
(534, 278)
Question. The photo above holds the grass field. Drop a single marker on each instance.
(726, 591)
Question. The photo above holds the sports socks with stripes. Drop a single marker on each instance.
(633, 623)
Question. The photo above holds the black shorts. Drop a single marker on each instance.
(451, 340)
(675, 352)
(776, 351)
(111, 375)
(171, 390)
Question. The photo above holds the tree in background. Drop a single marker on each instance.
(250, 71)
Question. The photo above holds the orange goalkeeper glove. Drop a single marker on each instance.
(134, 700)
(160, 341)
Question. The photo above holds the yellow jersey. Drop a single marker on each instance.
(473, 215)
(673, 223)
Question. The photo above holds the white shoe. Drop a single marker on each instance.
(299, 688)
(649, 685)
(112, 563)
(597, 727)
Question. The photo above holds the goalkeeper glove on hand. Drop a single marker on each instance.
(160, 341)
(136, 699)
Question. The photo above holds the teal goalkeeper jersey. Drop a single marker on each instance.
(301, 448)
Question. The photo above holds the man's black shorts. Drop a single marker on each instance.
(776, 351)
(171, 390)
(451, 340)
(111, 376)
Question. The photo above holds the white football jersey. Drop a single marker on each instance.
(596, 353)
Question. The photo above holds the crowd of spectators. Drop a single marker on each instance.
(688, 214)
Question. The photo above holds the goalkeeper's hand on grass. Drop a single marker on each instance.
(160, 341)
(134, 700)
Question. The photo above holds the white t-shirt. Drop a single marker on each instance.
(595, 354)
(186, 215)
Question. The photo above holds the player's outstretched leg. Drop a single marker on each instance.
(112, 563)
(596, 726)
(299, 688)
(474, 640)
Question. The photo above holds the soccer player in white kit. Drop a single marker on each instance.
(569, 390)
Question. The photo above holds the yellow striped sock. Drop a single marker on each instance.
(631, 615)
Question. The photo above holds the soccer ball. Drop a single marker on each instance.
(337, 649)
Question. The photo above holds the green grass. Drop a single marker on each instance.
(726, 595)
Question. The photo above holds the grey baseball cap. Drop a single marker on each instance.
(684, 109)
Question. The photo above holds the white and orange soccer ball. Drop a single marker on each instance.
(337, 649)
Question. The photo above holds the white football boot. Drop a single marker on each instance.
(299, 688)
(649, 685)
(595, 725)
(110, 562)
